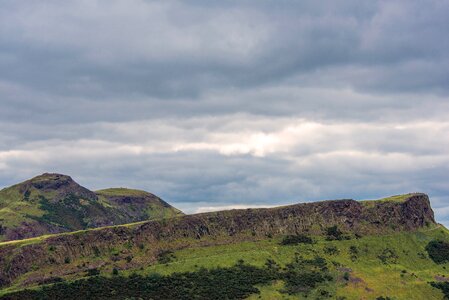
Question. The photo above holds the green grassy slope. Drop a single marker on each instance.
(367, 267)
(369, 276)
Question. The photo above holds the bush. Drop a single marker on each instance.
(333, 233)
(93, 272)
(388, 256)
(296, 239)
(331, 250)
(353, 251)
(438, 251)
(165, 257)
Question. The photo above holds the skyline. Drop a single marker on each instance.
(229, 104)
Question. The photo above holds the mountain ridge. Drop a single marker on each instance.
(54, 203)
(134, 245)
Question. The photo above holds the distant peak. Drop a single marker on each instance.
(50, 181)
(60, 184)
(51, 177)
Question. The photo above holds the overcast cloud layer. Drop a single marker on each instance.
(214, 105)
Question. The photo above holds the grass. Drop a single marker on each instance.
(121, 192)
(404, 277)
(395, 198)
(369, 276)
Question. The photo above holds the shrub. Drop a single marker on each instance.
(353, 251)
(388, 256)
(331, 250)
(438, 251)
(296, 239)
(333, 233)
(165, 257)
(93, 272)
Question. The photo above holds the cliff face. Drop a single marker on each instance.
(53, 203)
(135, 245)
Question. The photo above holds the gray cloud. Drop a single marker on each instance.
(229, 103)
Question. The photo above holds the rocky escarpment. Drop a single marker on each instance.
(130, 247)
(53, 203)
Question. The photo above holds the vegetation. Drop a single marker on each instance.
(236, 282)
(303, 275)
(165, 256)
(296, 239)
(443, 286)
(438, 251)
(292, 271)
(333, 233)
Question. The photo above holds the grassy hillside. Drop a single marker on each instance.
(52, 203)
(394, 265)
(367, 267)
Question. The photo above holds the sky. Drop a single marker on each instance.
(229, 104)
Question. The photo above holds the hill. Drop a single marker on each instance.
(54, 203)
(344, 249)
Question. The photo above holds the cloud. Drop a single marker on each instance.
(228, 104)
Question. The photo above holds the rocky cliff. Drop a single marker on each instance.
(132, 246)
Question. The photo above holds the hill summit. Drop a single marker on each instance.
(53, 203)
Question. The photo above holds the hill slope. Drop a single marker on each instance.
(326, 249)
(53, 203)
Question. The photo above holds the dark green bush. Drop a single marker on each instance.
(331, 250)
(296, 239)
(333, 233)
(353, 251)
(93, 272)
(165, 257)
(438, 251)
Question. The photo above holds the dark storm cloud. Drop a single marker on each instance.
(229, 103)
(177, 50)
